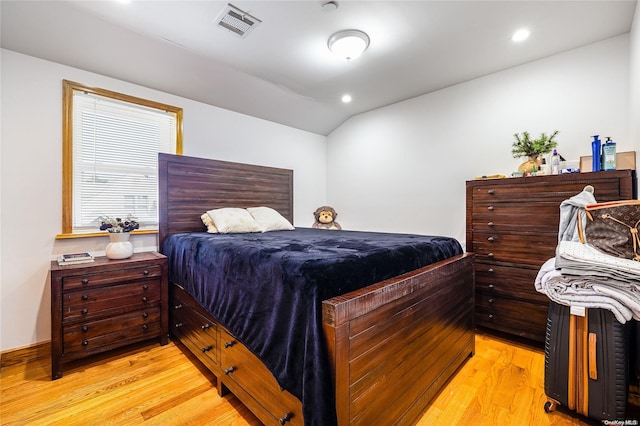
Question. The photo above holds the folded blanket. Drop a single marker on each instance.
(595, 280)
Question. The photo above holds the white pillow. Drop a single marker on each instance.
(208, 222)
(269, 219)
(232, 220)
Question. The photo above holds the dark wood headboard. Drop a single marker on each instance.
(189, 186)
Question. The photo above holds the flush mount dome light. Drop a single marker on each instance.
(348, 44)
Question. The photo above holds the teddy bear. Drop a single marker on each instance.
(326, 218)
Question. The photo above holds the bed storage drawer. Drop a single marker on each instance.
(243, 368)
(197, 332)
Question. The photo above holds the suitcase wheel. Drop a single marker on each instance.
(550, 406)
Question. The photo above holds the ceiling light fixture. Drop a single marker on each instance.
(348, 44)
(346, 98)
(520, 35)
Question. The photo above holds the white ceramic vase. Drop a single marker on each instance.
(120, 247)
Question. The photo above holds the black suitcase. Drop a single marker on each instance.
(586, 363)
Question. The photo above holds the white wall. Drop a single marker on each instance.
(31, 177)
(402, 168)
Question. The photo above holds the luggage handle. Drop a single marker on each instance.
(593, 368)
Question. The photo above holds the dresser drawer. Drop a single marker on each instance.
(241, 366)
(197, 332)
(88, 334)
(533, 190)
(495, 281)
(527, 249)
(114, 300)
(517, 317)
(99, 279)
(521, 216)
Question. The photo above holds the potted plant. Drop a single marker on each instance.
(525, 146)
(119, 230)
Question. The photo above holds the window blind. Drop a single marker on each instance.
(115, 159)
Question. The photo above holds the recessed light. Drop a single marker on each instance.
(346, 98)
(520, 35)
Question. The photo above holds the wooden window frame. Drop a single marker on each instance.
(68, 89)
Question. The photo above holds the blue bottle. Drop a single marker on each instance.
(595, 153)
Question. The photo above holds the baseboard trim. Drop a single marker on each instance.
(25, 354)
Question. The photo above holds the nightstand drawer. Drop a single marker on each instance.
(79, 336)
(110, 300)
(119, 276)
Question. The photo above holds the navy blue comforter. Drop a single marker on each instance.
(267, 290)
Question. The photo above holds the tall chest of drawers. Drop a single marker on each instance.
(512, 227)
(107, 304)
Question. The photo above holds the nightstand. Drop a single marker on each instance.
(107, 304)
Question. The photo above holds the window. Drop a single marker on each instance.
(111, 143)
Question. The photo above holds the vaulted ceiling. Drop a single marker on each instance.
(282, 71)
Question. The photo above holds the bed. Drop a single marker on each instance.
(373, 353)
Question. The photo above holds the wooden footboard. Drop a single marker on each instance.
(395, 344)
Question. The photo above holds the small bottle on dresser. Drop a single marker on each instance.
(609, 154)
(555, 163)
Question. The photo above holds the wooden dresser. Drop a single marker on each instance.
(107, 304)
(512, 227)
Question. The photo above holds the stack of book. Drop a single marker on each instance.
(75, 258)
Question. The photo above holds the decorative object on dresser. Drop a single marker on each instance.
(75, 258)
(512, 227)
(107, 304)
(525, 146)
(389, 347)
(119, 246)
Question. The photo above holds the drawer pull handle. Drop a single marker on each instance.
(206, 349)
(145, 287)
(85, 342)
(85, 281)
(145, 315)
(229, 344)
(85, 328)
(284, 419)
(490, 224)
(145, 272)
(229, 370)
(145, 299)
(145, 327)
(178, 306)
(490, 300)
(490, 270)
(490, 208)
(178, 324)
(85, 297)
(490, 317)
(205, 326)
(490, 192)
(491, 286)
(490, 239)
(490, 255)
(85, 311)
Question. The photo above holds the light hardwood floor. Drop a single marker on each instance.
(503, 384)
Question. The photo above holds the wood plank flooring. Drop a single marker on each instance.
(503, 384)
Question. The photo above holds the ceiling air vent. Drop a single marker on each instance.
(237, 21)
